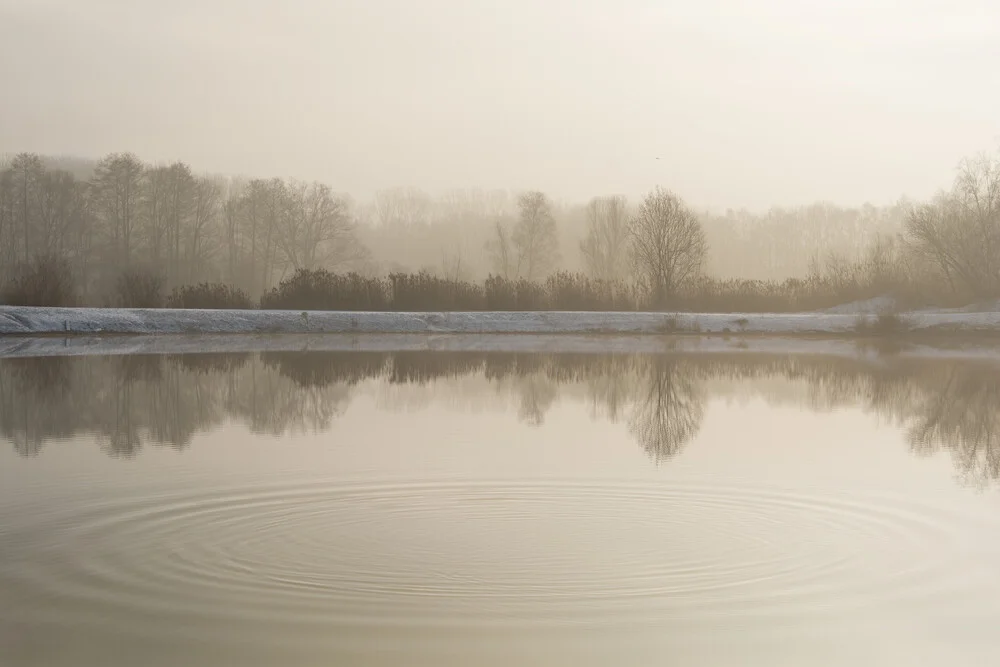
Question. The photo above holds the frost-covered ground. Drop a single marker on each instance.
(34, 321)
(86, 344)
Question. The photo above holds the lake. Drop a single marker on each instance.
(499, 508)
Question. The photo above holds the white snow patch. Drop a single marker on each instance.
(83, 345)
(27, 321)
(877, 305)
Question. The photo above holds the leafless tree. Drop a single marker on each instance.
(27, 172)
(8, 247)
(406, 206)
(500, 252)
(535, 238)
(316, 229)
(63, 225)
(180, 203)
(154, 216)
(959, 233)
(453, 266)
(203, 233)
(264, 203)
(232, 220)
(605, 248)
(667, 244)
(118, 186)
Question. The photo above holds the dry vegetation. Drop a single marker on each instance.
(134, 235)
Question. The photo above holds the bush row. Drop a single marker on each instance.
(49, 282)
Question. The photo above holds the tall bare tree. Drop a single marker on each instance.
(118, 180)
(959, 233)
(8, 247)
(203, 232)
(232, 229)
(406, 206)
(180, 203)
(605, 248)
(61, 211)
(667, 244)
(154, 216)
(499, 249)
(27, 171)
(264, 204)
(535, 238)
(317, 231)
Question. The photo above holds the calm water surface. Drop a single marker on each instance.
(498, 509)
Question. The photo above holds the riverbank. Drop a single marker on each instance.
(22, 347)
(29, 321)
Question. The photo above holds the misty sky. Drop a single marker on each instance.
(746, 103)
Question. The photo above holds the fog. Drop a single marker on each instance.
(730, 104)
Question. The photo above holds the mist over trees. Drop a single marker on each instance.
(957, 236)
(667, 245)
(605, 248)
(531, 249)
(121, 216)
(167, 221)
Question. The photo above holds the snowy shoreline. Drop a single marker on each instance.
(27, 321)
(12, 347)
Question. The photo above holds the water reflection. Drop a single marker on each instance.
(128, 402)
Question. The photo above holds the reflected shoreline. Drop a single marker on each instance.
(130, 401)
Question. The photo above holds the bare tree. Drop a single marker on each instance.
(61, 211)
(154, 216)
(8, 247)
(180, 203)
(500, 252)
(406, 206)
(232, 231)
(959, 233)
(453, 266)
(605, 249)
(317, 230)
(118, 187)
(27, 171)
(202, 234)
(667, 244)
(535, 239)
(264, 203)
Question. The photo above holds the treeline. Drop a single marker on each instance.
(165, 221)
(128, 233)
(129, 402)
(49, 282)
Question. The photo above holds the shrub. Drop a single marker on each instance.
(423, 291)
(322, 290)
(47, 280)
(569, 291)
(139, 288)
(209, 296)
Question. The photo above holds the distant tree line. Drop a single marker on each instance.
(166, 221)
(122, 232)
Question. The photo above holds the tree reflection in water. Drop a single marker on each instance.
(128, 402)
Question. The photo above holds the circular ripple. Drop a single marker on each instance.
(448, 552)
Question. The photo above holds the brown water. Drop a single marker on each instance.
(498, 509)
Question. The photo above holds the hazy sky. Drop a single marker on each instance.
(746, 103)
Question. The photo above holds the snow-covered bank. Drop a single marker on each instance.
(83, 345)
(27, 321)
